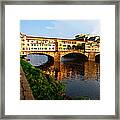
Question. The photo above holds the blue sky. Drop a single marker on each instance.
(59, 28)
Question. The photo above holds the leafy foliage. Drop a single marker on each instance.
(43, 86)
(80, 46)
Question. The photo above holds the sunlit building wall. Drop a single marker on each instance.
(91, 46)
(32, 44)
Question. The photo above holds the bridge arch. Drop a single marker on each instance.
(50, 59)
(97, 57)
(75, 56)
(49, 55)
(43, 52)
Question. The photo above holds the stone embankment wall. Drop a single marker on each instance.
(25, 90)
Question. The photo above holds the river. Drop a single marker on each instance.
(81, 79)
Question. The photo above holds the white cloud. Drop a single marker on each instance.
(48, 27)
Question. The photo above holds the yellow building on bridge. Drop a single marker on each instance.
(30, 44)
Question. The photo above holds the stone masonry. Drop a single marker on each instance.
(25, 90)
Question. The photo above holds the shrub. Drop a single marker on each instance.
(43, 87)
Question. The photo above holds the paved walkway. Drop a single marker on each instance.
(25, 90)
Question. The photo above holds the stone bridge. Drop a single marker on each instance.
(57, 55)
(57, 48)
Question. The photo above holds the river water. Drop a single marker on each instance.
(81, 79)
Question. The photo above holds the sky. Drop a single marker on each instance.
(59, 28)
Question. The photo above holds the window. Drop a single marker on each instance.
(73, 42)
(45, 48)
(23, 48)
(34, 44)
(60, 44)
(27, 44)
(87, 49)
(64, 45)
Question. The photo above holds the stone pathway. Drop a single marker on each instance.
(25, 90)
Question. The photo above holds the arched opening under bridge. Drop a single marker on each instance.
(74, 57)
(97, 58)
(40, 59)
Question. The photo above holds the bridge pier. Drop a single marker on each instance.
(91, 56)
(57, 61)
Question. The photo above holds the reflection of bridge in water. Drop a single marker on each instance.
(90, 70)
(73, 70)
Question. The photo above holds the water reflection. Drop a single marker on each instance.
(70, 70)
(81, 79)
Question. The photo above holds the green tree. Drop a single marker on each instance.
(79, 46)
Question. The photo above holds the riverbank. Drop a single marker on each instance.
(43, 87)
(25, 90)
